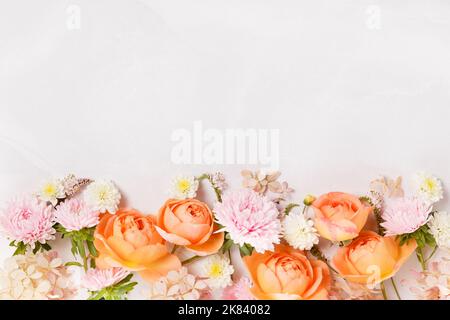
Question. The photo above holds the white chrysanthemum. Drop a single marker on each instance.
(440, 228)
(217, 269)
(35, 277)
(429, 188)
(51, 191)
(184, 187)
(299, 231)
(102, 196)
(177, 285)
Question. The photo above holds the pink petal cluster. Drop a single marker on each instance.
(28, 220)
(97, 279)
(75, 215)
(239, 290)
(404, 215)
(249, 218)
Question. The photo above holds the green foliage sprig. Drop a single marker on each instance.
(118, 291)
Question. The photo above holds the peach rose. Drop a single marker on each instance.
(339, 216)
(371, 258)
(128, 239)
(189, 223)
(287, 274)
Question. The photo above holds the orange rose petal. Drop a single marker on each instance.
(103, 222)
(121, 247)
(169, 220)
(148, 254)
(103, 248)
(268, 281)
(192, 232)
(342, 264)
(211, 246)
(405, 252)
(321, 294)
(296, 286)
(361, 216)
(172, 238)
(160, 268)
(251, 262)
(335, 230)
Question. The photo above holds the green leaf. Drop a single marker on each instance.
(289, 208)
(73, 263)
(92, 250)
(246, 250)
(227, 245)
(21, 248)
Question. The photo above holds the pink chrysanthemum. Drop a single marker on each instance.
(249, 219)
(239, 290)
(75, 215)
(97, 279)
(404, 215)
(28, 220)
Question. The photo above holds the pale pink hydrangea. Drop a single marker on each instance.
(97, 279)
(433, 284)
(28, 220)
(249, 218)
(240, 290)
(404, 215)
(75, 215)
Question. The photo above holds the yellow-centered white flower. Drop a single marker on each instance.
(51, 191)
(299, 231)
(439, 226)
(184, 187)
(103, 196)
(428, 187)
(217, 270)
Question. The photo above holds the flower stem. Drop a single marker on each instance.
(175, 247)
(383, 290)
(216, 191)
(432, 254)
(419, 254)
(83, 254)
(190, 260)
(315, 251)
(395, 289)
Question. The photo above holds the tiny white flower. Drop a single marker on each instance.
(299, 231)
(103, 196)
(428, 187)
(217, 270)
(51, 191)
(439, 226)
(184, 187)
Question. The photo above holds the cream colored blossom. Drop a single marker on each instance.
(51, 191)
(35, 277)
(177, 285)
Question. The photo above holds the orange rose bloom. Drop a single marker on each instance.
(371, 258)
(128, 239)
(287, 274)
(339, 216)
(189, 223)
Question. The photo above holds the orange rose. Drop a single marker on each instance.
(287, 274)
(189, 223)
(128, 239)
(339, 216)
(371, 258)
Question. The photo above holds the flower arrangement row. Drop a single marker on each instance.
(333, 246)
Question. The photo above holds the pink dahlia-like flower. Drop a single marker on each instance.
(239, 290)
(97, 279)
(404, 215)
(249, 219)
(75, 215)
(28, 220)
